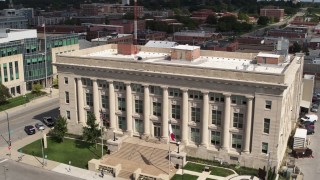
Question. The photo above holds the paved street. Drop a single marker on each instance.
(32, 113)
(11, 170)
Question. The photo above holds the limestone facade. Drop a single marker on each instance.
(217, 114)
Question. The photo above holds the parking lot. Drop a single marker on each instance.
(309, 166)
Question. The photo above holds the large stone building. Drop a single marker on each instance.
(221, 105)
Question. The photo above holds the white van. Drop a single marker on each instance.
(310, 118)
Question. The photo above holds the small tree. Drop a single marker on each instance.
(263, 20)
(55, 83)
(211, 19)
(91, 132)
(60, 129)
(4, 94)
(36, 88)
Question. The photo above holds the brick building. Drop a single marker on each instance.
(273, 12)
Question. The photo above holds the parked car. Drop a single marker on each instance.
(314, 108)
(40, 126)
(310, 130)
(30, 130)
(309, 117)
(48, 121)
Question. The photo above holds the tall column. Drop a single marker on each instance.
(185, 116)
(165, 113)
(146, 111)
(129, 108)
(112, 105)
(96, 102)
(246, 147)
(226, 124)
(205, 119)
(81, 112)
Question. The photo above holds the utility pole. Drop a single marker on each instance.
(9, 133)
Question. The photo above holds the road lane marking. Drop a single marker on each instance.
(3, 161)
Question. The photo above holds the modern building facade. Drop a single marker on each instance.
(233, 107)
(23, 61)
(14, 22)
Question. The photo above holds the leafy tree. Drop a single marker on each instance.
(243, 16)
(295, 48)
(211, 19)
(91, 132)
(60, 129)
(36, 88)
(4, 94)
(55, 83)
(263, 20)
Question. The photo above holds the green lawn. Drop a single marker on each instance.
(220, 172)
(78, 152)
(185, 176)
(17, 101)
(194, 167)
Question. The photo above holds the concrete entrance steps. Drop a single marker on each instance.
(134, 153)
(125, 174)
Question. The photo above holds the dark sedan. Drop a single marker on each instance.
(30, 130)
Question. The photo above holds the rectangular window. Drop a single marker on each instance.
(138, 125)
(138, 104)
(16, 69)
(195, 95)
(89, 99)
(122, 123)
(105, 101)
(236, 141)
(175, 92)
(66, 81)
(5, 72)
(156, 90)
(68, 115)
(216, 117)
(176, 131)
(103, 84)
(237, 120)
(266, 125)
(67, 97)
(156, 109)
(86, 82)
(215, 138)
(137, 88)
(18, 90)
(176, 111)
(239, 100)
(268, 104)
(121, 104)
(12, 91)
(216, 97)
(195, 135)
(265, 147)
(195, 114)
(119, 86)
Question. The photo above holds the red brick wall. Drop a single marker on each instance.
(269, 60)
(127, 49)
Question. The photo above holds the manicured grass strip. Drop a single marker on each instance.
(220, 172)
(194, 167)
(17, 101)
(78, 152)
(185, 176)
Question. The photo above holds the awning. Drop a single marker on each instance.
(305, 104)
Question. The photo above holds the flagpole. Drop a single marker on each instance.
(169, 147)
(45, 54)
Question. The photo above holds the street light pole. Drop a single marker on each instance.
(9, 133)
(268, 164)
(42, 148)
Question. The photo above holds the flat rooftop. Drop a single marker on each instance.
(213, 62)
